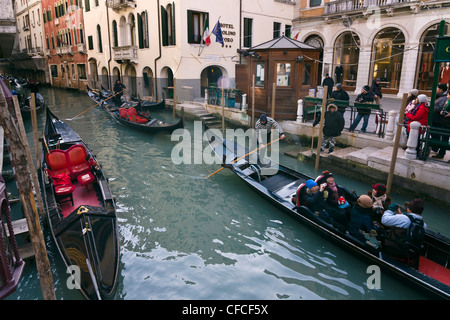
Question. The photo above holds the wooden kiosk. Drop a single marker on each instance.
(283, 68)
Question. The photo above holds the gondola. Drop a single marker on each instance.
(40, 105)
(134, 119)
(136, 101)
(281, 184)
(80, 211)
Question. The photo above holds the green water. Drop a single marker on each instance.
(183, 236)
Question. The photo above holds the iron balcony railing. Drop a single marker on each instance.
(341, 6)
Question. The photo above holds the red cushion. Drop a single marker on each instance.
(77, 160)
(86, 178)
(64, 190)
(123, 113)
(56, 160)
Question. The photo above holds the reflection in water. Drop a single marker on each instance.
(183, 236)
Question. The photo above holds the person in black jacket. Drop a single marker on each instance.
(376, 90)
(329, 82)
(365, 96)
(340, 94)
(333, 125)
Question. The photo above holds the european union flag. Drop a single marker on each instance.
(217, 31)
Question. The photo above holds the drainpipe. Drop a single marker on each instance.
(159, 57)
(240, 31)
(110, 52)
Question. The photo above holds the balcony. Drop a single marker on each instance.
(64, 50)
(341, 7)
(81, 48)
(118, 5)
(125, 53)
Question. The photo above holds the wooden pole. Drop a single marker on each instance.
(174, 101)
(322, 116)
(223, 111)
(35, 130)
(253, 102)
(274, 87)
(396, 141)
(25, 189)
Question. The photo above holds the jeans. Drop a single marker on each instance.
(358, 119)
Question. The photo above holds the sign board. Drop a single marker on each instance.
(442, 52)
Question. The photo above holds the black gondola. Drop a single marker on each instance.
(279, 186)
(136, 120)
(80, 210)
(136, 101)
(25, 107)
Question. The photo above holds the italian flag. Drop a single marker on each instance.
(206, 34)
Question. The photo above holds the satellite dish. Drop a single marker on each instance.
(347, 22)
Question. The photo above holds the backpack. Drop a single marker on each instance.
(415, 233)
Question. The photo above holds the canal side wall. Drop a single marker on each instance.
(362, 156)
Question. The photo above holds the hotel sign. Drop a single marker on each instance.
(442, 52)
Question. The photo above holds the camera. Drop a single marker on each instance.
(444, 112)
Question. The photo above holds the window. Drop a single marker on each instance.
(90, 43)
(168, 24)
(283, 74)
(287, 31)
(142, 30)
(87, 5)
(75, 38)
(248, 26)
(196, 23)
(276, 29)
(54, 70)
(81, 68)
(49, 14)
(315, 3)
(306, 76)
(259, 74)
(115, 37)
(99, 35)
(45, 16)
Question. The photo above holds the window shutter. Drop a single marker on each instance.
(190, 27)
(174, 42)
(165, 35)
(140, 32)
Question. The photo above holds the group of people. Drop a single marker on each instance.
(372, 218)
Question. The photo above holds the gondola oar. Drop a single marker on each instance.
(96, 105)
(243, 157)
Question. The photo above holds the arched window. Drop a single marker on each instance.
(132, 23)
(75, 38)
(168, 24)
(387, 58)
(99, 36)
(143, 30)
(81, 34)
(346, 58)
(115, 34)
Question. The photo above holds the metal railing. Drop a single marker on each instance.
(355, 5)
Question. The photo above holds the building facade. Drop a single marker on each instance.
(64, 43)
(7, 28)
(156, 47)
(392, 40)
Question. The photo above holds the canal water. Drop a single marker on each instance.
(185, 236)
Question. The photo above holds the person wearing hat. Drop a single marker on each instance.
(420, 115)
(380, 200)
(340, 94)
(329, 82)
(316, 202)
(333, 125)
(365, 96)
(263, 129)
(361, 218)
(375, 88)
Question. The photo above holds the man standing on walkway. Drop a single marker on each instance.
(364, 97)
(329, 82)
(340, 94)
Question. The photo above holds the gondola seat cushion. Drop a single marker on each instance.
(64, 191)
(56, 160)
(301, 192)
(76, 156)
(132, 113)
(86, 178)
(123, 113)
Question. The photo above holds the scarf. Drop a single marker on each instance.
(378, 202)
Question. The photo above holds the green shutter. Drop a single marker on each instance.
(165, 35)
(190, 27)
(140, 32)
(174, 42)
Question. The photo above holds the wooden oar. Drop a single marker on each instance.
(96, 105)
(243, 157)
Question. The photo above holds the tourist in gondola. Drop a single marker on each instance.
(361, 218)
(316, 202)
(380, 200)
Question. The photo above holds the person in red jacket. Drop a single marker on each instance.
(420, 114)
